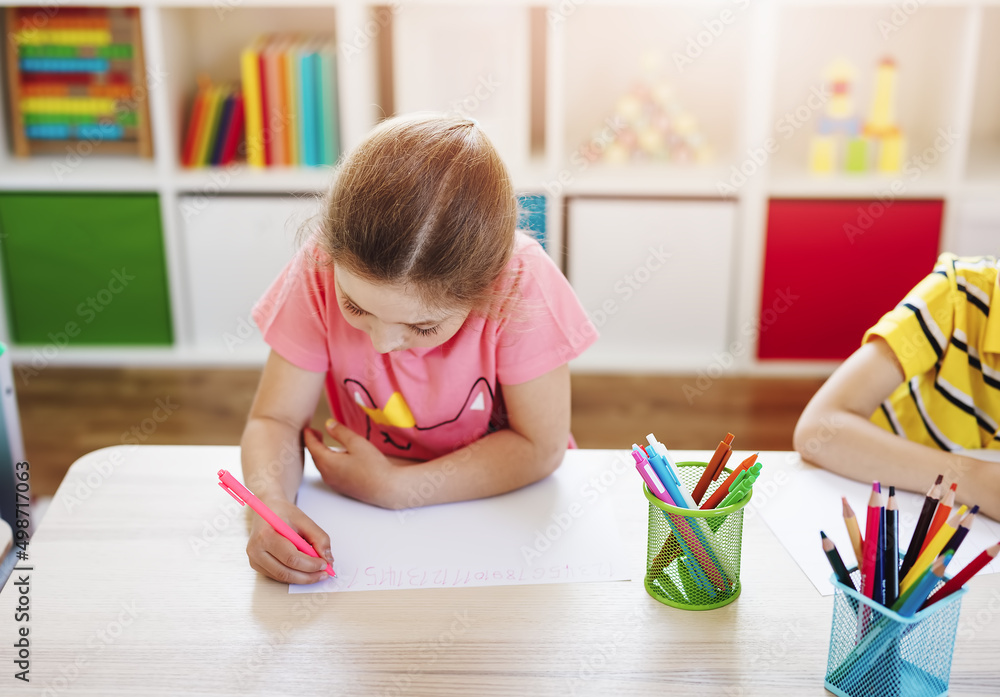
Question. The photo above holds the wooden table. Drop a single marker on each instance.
(140, 586)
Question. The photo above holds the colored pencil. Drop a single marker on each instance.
(933, 549)
(963, 529)
(905, 596)
(923, 589)
(836, 562)
(891, 552)
(923, 523)
(962, 577)
(851, 521)
(878, 588)
(870, 548)
(940, 515)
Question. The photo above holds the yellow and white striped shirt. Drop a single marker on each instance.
(948, 344)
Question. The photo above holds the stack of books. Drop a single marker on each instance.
(290, 92)
(216, 126)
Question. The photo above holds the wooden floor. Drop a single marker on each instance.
(67, 412)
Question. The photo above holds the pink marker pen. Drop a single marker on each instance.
(649, 476)
(245, 497)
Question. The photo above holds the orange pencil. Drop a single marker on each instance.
(940, 515)
(714, 467)
(716, 498)
(851, 521)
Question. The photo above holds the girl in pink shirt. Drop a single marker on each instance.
(439, 333)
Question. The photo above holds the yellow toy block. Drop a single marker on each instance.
(822, 154)
(890, 154)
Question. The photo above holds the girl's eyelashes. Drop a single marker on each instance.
(358, 312)
(354, 309)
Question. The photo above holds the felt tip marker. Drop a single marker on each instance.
(246, 498)
(666, 476)
(649, 476)
(682, 499)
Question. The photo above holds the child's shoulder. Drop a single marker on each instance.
(983, 269)
(530, 264)
(525, 244)
(530, 256)
(531, 278)
(975, 276)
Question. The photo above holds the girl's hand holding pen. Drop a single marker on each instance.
(276, 557)
(359, 470)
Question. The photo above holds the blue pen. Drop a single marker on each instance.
(666, 475)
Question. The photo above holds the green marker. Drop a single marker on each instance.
(742, 485)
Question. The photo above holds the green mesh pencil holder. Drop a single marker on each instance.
(693, 556)
(875, 652)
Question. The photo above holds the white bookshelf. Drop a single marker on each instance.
(759, 67)
(470, 60)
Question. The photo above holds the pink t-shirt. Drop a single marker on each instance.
(423, 403)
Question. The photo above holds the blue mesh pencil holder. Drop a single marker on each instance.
(875, 652)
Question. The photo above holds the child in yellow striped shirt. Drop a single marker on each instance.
(923, 389)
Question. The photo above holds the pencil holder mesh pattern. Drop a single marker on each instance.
(875, 652)
(693, 556)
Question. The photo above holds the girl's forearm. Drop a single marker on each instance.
(271, 454)
(853, 446)
(495, 464)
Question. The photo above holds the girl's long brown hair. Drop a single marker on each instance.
(424, 201)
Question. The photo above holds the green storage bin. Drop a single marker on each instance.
(84, 269)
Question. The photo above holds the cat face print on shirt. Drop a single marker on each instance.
(394, 427)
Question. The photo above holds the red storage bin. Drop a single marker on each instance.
(833, 267)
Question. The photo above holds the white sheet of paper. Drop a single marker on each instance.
(800, 500)
(558, 530)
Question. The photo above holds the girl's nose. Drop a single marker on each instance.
(385, 339)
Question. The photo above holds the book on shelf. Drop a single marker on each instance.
(290, 101)
(288, 61)
(215, 126)
(234, 130)
(250, 72)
